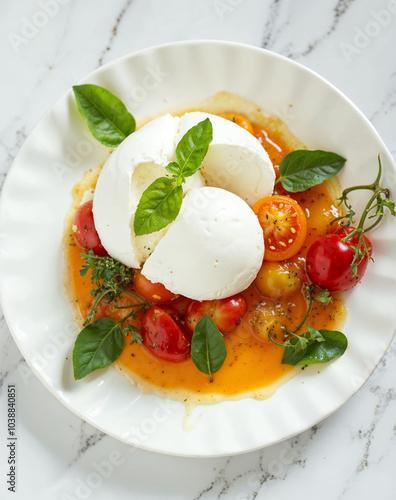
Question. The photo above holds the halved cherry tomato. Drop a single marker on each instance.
(329, 260)
(284, 225)
(86, 234)
(163, 336)
(154, 292)
(240, 120)
(226, 313)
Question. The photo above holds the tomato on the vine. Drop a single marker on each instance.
(154, 292)
(85, 233)
(164, 336)
(284, 225)
(226, 313)
(329, 260)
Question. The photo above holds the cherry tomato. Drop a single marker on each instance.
(329, 260)
(165, 337)
(284, 225)
(154, 292)
(277, 280)
(172, 312)
(86, 234)
(240, 120)
(226, 313)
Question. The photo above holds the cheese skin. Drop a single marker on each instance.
(214, 248)
(140, 159)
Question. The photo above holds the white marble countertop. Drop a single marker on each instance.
(350, 455)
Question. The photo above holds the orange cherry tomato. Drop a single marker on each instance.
(239, 120)
(154, 292)
(284, 225)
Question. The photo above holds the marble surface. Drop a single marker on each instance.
(352, 454)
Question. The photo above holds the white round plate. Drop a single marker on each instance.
(37, 195)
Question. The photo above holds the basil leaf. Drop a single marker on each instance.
(159, 205)
(193, 147)
(107, 117)
(322, 346)
(173, 168)
(97, 346)
(208, 350)
(303, 169)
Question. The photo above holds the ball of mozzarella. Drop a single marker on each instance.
(212, 250)
(235, 161)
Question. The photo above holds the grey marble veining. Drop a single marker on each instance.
(352, 454)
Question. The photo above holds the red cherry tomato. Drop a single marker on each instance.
(329, 261)
(226, 313)
(154, 292)
(163, 336)
(86, 235)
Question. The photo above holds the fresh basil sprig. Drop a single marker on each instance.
(312, 346)
(106, 115)
(302, 169)
(208, 350)
(161, 201)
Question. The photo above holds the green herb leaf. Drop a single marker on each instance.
(324, 297)
(110, 277)
(107, 117)
(390, 205)
(193, 147)
(303, 169)
(320, 346)
(161, 201)
(173, 168)
(159, 205)
(208, 350)
(97, 346)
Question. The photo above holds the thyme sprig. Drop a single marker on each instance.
(111, 279)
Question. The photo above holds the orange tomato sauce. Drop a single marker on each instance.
(254, 364)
